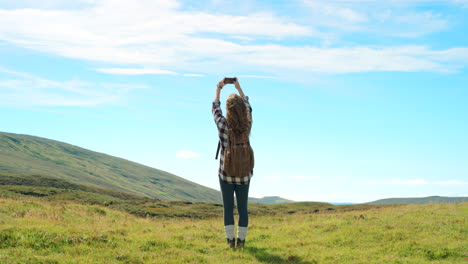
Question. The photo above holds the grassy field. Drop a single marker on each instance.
(58, 190)
(37, 231)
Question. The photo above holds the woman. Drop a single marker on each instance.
(239, 119)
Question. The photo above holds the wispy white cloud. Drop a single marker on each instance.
(186, 154)
(331, 13)
(358, 59)
(23, 89)
(159, 37)
(144, 71)
(414, 24)
(134, 71)
(391, 18)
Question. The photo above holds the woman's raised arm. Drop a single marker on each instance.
(239, 89)
(218, 90)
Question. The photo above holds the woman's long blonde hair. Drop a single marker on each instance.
(237, 116)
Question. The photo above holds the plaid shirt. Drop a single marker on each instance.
(220, 121)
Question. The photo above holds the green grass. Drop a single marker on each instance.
(34, 230)
(29, 155)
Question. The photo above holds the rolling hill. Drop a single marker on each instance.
(30, 155)
(270, 200)
(423, 200)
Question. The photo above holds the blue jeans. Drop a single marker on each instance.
(242, 197)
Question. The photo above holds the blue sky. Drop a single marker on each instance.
(352, 100)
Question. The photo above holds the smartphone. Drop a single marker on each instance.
(229, 80)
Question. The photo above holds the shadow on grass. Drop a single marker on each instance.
(263, 255)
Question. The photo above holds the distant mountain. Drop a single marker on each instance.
(424, 200)
(270, 200)
(29, 155)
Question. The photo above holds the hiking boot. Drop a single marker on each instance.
(231, 242)
(240, 243)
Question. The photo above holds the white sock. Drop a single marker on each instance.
(241, 232)
(229, 229)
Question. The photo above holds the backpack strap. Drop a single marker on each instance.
(217, 151)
